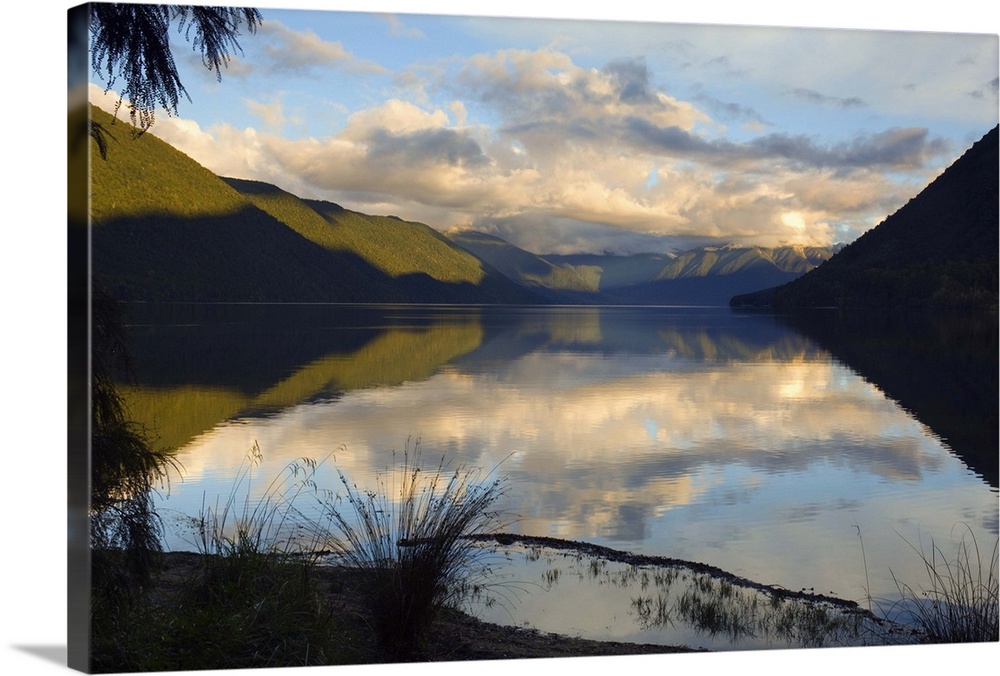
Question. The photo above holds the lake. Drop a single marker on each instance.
(809, 452)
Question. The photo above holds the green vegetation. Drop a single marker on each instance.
(167, 229)
(146, 177)
(393, 246)
(413, 545)
(400, 247)
(522, 266)
(717, 606)
(124, 469)
(955, 285)
(248, 601)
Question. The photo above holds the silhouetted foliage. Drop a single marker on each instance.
(131, 44)
(124, 527)
(124, 468)
(100, 136)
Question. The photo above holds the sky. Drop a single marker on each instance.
(567, 135)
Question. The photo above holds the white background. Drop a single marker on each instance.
(33, 262)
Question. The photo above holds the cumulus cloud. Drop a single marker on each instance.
(403, 159)
(425, 147)
(543, 90)
(559, 157)
(272, 114)
(632, 79)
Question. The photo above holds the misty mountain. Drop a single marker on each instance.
(939, 250)
(553, 279)
(713, 275)
(605, 272)
(704, 276)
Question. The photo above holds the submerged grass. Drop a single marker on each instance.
(719, 608)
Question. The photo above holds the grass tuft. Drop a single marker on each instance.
(253, 601)
(407, 538)
(959, 603)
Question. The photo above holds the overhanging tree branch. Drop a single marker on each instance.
(131, 45)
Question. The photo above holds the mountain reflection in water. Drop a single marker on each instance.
(741, 441)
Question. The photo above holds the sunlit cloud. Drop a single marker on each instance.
(603, 137)
(271, 114)
(638, 436)
(403, 158)
(542, 94)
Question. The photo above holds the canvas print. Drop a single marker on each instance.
(431, 338)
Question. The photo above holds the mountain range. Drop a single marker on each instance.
(167, 229)
(703, 276)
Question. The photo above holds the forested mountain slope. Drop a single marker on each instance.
(166, 228)
(939, 250)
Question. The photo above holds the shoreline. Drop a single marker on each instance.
(454, 635)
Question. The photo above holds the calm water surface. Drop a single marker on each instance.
(752, 443)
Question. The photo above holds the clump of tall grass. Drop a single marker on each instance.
(407, 538)
(271, 523)
(960, 601)
(252, 602)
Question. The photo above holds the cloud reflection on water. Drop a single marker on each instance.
(737, 445)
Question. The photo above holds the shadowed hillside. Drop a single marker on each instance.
(938, 250)
(166, 228)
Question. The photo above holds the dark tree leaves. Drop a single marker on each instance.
(131, 46)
